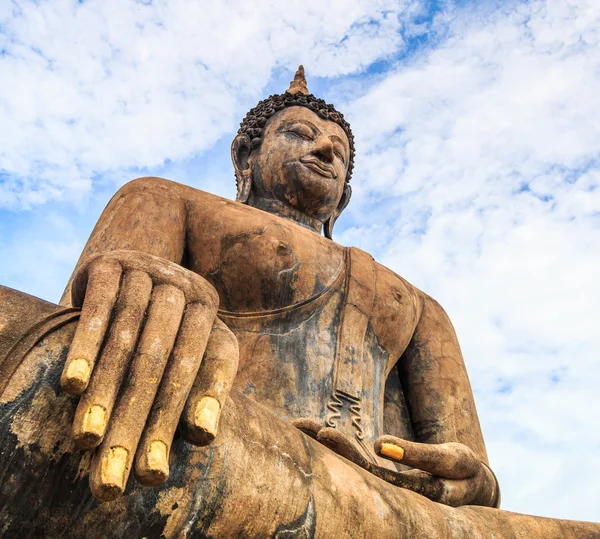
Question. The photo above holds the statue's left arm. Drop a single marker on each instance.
(449, 455)
(436, 385)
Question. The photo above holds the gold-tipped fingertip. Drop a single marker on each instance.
(76, 378)
(113, 473)
(391, 451)
(92, 428)
(155, 470)
(206, 416)
(152, 464)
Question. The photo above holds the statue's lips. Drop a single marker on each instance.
(318, 166)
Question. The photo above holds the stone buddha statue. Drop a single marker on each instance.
(256, 377)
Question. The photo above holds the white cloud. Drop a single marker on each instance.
(481, 157)
(477, 174)
(99, 86)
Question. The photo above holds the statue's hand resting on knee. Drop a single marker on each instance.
(447, 473)
(137, 361)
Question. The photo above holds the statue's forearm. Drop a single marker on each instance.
(142, 216)
(436, 384)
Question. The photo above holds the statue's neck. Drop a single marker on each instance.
(277, 207)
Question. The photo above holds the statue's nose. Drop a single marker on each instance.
(324, 149)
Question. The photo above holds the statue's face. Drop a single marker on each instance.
(302, 162)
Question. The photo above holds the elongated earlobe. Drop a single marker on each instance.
(328, 228)
(240, 157)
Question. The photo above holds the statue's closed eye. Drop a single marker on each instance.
(301, 131)
(340, 153)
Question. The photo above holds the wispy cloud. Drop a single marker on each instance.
(477, 173)
(97, 86)
(478, 180)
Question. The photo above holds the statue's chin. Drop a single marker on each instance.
(313, 193)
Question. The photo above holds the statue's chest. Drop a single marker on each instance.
(328, 358)
(265, 265)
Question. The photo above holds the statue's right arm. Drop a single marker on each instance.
(146, 325)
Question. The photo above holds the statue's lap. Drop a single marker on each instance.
(260, 477)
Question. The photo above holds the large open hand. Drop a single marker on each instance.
(446, 473)
(145, 326)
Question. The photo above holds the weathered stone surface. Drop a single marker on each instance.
(259, 478)
(317, 393)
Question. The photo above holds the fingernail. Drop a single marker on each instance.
(77, 376)
(157, 458)
(207, 414)
(392, 451)
(113, 468)
(92, 428)
(95, 420)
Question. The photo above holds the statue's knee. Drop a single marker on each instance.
(19, 312)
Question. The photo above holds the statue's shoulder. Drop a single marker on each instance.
(389, 281)
(168, 189)
(422, 301)
(171, 197)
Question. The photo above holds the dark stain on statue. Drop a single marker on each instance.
(302, 527)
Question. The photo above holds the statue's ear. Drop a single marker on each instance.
(340, 208)
(240, 156)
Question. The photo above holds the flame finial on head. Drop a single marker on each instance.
(298, 85)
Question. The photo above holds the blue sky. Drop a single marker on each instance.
(476, 178)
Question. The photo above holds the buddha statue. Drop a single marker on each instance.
(258, 379)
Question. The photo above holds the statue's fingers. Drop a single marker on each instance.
(450, 460)
(342, 445)
(435, 488)
(211, 387)
(96, 404)
(308, 426)
(453, 492)
(100, 296)
(112, 462)
(416, 480)
(152, 458)
(481, 489)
